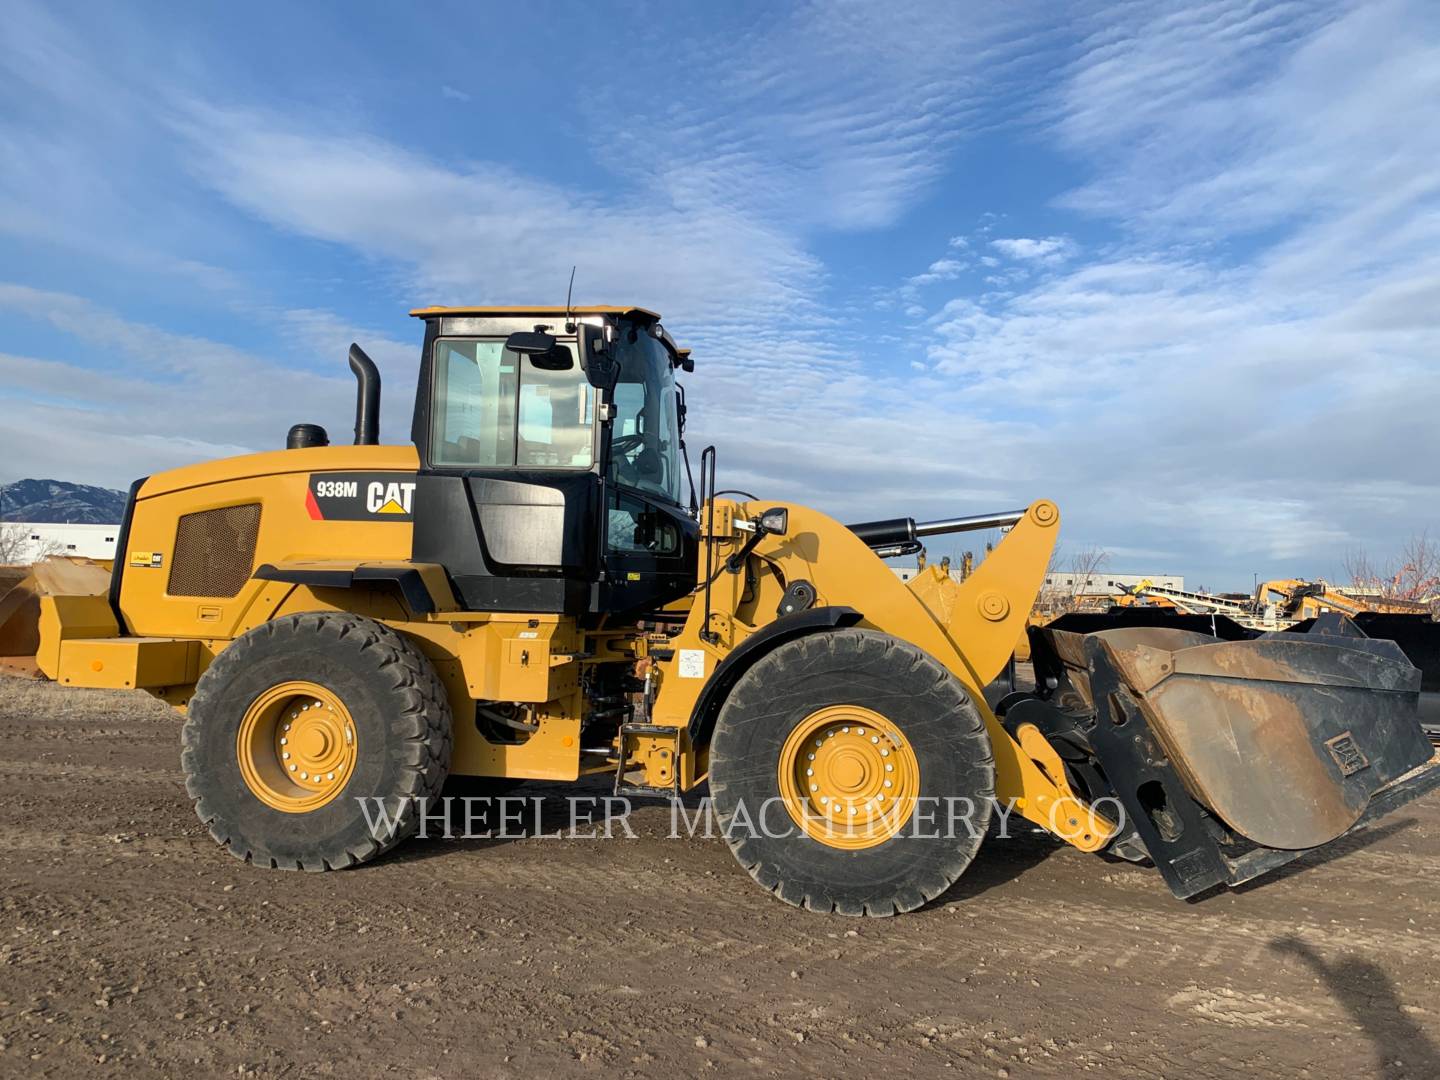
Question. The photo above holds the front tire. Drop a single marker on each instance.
(302, 725)
(823, 756)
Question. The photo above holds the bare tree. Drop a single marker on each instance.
(1360, 569)
(1413, 574)
(1085, 567)
(1052, 598)
(1083, 570)
(13, 543)
(1418, 577)
(16, 547)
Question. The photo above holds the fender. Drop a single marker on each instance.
(740, 660)
(423, 586)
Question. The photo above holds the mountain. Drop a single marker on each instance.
(60, 501)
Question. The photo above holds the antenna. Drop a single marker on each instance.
(569, 323)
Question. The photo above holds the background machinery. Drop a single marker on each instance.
(533, 589)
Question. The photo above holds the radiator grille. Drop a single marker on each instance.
(214, 551)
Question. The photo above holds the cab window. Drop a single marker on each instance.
(494, 408)
(645, 443)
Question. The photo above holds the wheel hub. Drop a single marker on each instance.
(296, 746)
(848, 777)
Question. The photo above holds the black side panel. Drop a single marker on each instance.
(815, 620)
(512, 540)
(122, 548)
(530, 526)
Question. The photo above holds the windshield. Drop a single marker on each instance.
(495, 408)
(645, 447)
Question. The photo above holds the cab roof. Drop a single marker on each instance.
(644, 314)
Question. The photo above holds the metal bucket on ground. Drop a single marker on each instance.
(1233, 757)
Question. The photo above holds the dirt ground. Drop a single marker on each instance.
(131, 945)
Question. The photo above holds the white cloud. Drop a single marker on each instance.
(450, 93)
(1236, 400)
(939, 270)
(483, 232)
(826, 116)
(1048, 250)
(150, 399)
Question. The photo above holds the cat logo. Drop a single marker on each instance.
(391, 498)
(374, 496)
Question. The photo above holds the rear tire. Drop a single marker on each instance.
(375, 685)
(811, 697)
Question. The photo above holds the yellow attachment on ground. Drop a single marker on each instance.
(296, 747)
(20, 606)
(848, 778)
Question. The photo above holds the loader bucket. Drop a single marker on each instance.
(1233, 757)
(20, 606)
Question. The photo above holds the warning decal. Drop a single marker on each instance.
(361, 496)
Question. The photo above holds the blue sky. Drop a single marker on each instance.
(1174, 266)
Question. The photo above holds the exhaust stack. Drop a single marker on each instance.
(367, 397)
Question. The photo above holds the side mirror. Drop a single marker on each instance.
(774, 522)
(602, 370)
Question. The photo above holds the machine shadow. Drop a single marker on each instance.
(1402, 1049)
(1000, 859)
(529, 810)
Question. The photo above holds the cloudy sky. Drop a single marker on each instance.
(1175, 266)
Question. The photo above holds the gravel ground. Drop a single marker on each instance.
(131, 945)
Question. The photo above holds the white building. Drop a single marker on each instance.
(1105, 582)
(38, 539)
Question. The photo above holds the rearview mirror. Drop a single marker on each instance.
(557, 359)
(530, 343)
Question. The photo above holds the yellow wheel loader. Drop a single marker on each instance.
(533, 589)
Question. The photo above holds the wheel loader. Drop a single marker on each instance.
(533, 588)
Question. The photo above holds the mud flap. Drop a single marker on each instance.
(1234, 757)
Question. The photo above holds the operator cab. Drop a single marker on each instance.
(552, 473)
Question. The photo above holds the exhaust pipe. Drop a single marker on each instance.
(367, 397)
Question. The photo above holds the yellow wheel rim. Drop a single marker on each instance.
(296, 747)
(848, 777)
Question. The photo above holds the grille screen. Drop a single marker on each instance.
(214, 551)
